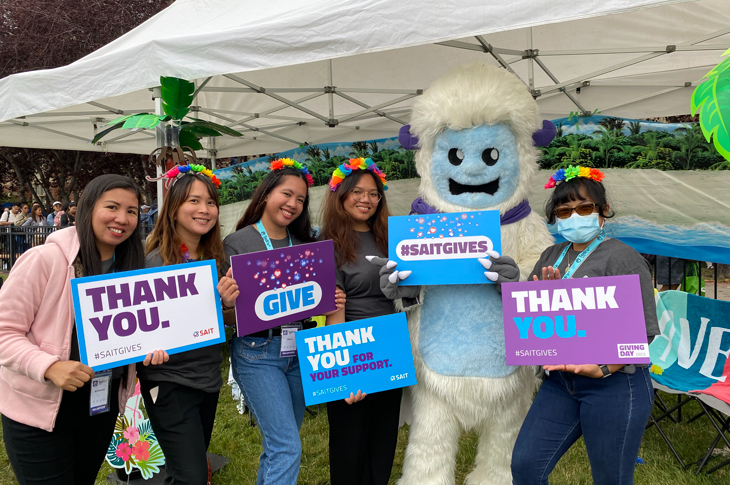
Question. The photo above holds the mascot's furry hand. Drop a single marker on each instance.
(389, 279)
(500, 269)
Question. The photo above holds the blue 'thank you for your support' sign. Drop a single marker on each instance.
(442, 249)
(369, 355)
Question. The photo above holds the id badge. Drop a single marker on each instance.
(100, 392)
(288, 342)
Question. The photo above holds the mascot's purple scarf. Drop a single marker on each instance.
(520, 211)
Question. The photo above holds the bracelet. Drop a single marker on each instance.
(227, 308)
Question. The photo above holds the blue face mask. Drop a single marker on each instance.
(579, 229)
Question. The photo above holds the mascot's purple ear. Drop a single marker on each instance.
(408, 141)
(542, 137)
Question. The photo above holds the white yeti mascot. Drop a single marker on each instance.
(475, 128)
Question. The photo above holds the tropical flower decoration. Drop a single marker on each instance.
(573, 171)
(180, 170)
(355, 164)
(289, 163)
(134, 444)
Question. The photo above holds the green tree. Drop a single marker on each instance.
(634, 127)
(550, 157)
(573, 152)
(359, 149)
(373, 147)
(690, 144)
(605, 143)
(613, 124)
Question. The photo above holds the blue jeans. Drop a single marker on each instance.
(609, 413)
(272, 388)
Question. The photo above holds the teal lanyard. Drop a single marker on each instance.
(265, 236)
(581, 257)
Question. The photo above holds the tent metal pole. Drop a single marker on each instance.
(262, 90)
(555, 80)
(330, 92)
(160, 139)
(105, 107)
(199, 88)
(631, 62)
(377, 111)
(254, 128)
(212, 151)
(275, 109)
(374, 108)
(636, 50)
(530, 62)
(489, 49)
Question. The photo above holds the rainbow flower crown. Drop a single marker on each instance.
(289, 163)
(565, 174)
(355, 164)
(180, 170)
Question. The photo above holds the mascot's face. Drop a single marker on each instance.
(475, 168)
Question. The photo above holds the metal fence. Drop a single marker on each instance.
(14, 241)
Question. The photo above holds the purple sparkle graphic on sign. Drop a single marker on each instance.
(307, 263)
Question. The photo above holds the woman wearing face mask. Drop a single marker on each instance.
(606, 404)
(50, 433)
(277, 217)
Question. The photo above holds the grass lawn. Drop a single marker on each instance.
(234, 438)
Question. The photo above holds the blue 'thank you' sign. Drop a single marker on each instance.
(369, 355)
(443, 248)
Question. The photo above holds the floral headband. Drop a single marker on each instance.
(355, 164)
(179, 171)
(289, 163)
(565, 174)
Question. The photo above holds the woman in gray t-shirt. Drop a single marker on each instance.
(608, 405)
(363, 430)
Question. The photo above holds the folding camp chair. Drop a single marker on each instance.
(695, 316)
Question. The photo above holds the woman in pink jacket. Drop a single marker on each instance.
(49, 434)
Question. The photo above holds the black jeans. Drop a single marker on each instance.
(363, 437)
(73, 452)
(182, 419)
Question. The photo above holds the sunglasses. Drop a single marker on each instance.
(581, 210)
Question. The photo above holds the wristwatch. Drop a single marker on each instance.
(604, 368)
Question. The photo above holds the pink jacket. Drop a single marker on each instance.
(36, 323)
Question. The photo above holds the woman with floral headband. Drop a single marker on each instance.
(277, 217)
(181, 395)
(363, 428)
(606, 404)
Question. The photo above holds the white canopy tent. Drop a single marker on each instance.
(286, 72)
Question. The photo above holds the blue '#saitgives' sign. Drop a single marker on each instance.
(443, 248)
(369, 355)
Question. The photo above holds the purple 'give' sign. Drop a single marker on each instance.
(281, 286)
(575, 321)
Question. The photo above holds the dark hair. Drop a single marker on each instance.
(16, 204)
(578, 188)
(129, 254)
(165, 237)
(338, 225)
(301, 227)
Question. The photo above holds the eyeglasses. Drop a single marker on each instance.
(357, 195)
(581, 210)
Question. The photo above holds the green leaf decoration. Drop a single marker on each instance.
(712, 100)
(142, 121)
(177, 96)
(223, 129)
(111, 452)
(103, 133)
(151, 465)
(188, 139)
(199, 129)
(145, 431)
